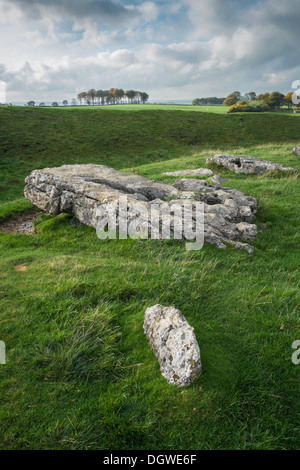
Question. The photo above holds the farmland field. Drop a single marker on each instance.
(80, 373)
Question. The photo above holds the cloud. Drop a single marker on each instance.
(185, 49)
(106, 11)
(213, 17)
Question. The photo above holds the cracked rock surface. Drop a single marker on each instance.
(247, 165)
(174, 343)
(229, 214)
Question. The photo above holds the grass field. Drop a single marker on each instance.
(33, 138)
(80, 373)
(153, 107)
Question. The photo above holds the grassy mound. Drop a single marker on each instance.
(117, 136)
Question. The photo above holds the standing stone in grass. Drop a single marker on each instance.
(174, 343)
(296, 150)
(247, 165)
(218, 181)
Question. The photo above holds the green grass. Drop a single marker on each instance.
(33, 138)
(80, 373)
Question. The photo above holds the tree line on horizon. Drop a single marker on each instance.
(269, 101)
(274, 99)
(250, 101)
(102, 97)
(112, 96)
(207, 101)
(235, 101)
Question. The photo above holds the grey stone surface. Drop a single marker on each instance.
(190, 184)
(296, 151)
(81, 189)
(198, 172)
(218, 181)
(174, 343)
(247, 165)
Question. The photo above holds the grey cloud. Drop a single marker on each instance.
(107, 10)
(274, 27)
(256, 35)
(214, 17)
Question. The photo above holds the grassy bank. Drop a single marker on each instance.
(80, 373)
(33, 138)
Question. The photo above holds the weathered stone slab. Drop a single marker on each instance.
(174, 343)
(82, 189)
(198, 172)
(247, 165)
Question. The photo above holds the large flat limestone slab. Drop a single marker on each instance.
(81, 189)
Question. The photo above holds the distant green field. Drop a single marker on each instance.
(215, 109)
(80, 373)
(151, 107)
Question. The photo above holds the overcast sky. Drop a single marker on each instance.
(53, 49)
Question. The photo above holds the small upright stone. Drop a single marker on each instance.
(174, 343)
(218, 181)
(296, 150)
